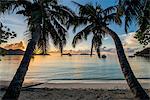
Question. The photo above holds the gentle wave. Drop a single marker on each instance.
(95, 79)
(75, 68)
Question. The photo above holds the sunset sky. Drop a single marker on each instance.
(18, 24)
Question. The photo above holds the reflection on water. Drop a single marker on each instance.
(56, 68)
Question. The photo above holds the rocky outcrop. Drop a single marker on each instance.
(144, 53)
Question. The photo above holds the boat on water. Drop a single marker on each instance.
(69, 54)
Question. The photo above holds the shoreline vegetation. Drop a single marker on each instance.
(73, 91)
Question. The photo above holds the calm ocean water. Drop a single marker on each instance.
(73, 69)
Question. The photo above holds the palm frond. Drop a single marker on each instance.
(7, 5)
(87, 10)
(43, 42)
(76, 22)
(5, 34)
(128, 21)
(64, 10)
(61, 31)
(113, 18)
(11, 5)
(131, 9)
(50, 2)
(83, 34)
(97, 42)
(58, 40)
(63, 13)
(109, 10)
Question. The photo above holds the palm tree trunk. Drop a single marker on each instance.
(14, 88)
(132, 82)
(91, 54)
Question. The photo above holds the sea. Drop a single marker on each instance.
(74, 69)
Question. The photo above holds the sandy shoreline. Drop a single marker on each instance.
(76, 85)
(74, 91)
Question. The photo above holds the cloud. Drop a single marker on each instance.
(19, 45)
(129, 41)
(106, 38)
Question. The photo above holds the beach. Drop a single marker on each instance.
(74, 91)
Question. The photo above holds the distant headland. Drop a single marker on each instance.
(14, 52)
(144, 53)
(11, 51)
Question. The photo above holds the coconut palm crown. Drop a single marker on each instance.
(94, 17)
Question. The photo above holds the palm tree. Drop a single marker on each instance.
(45, 19)
(97, 20)
(143, 33)
(138, 10)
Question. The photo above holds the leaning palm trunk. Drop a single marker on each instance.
(91, 49)
(132, 82)
(14, 88)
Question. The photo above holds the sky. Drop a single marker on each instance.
(18, 24)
